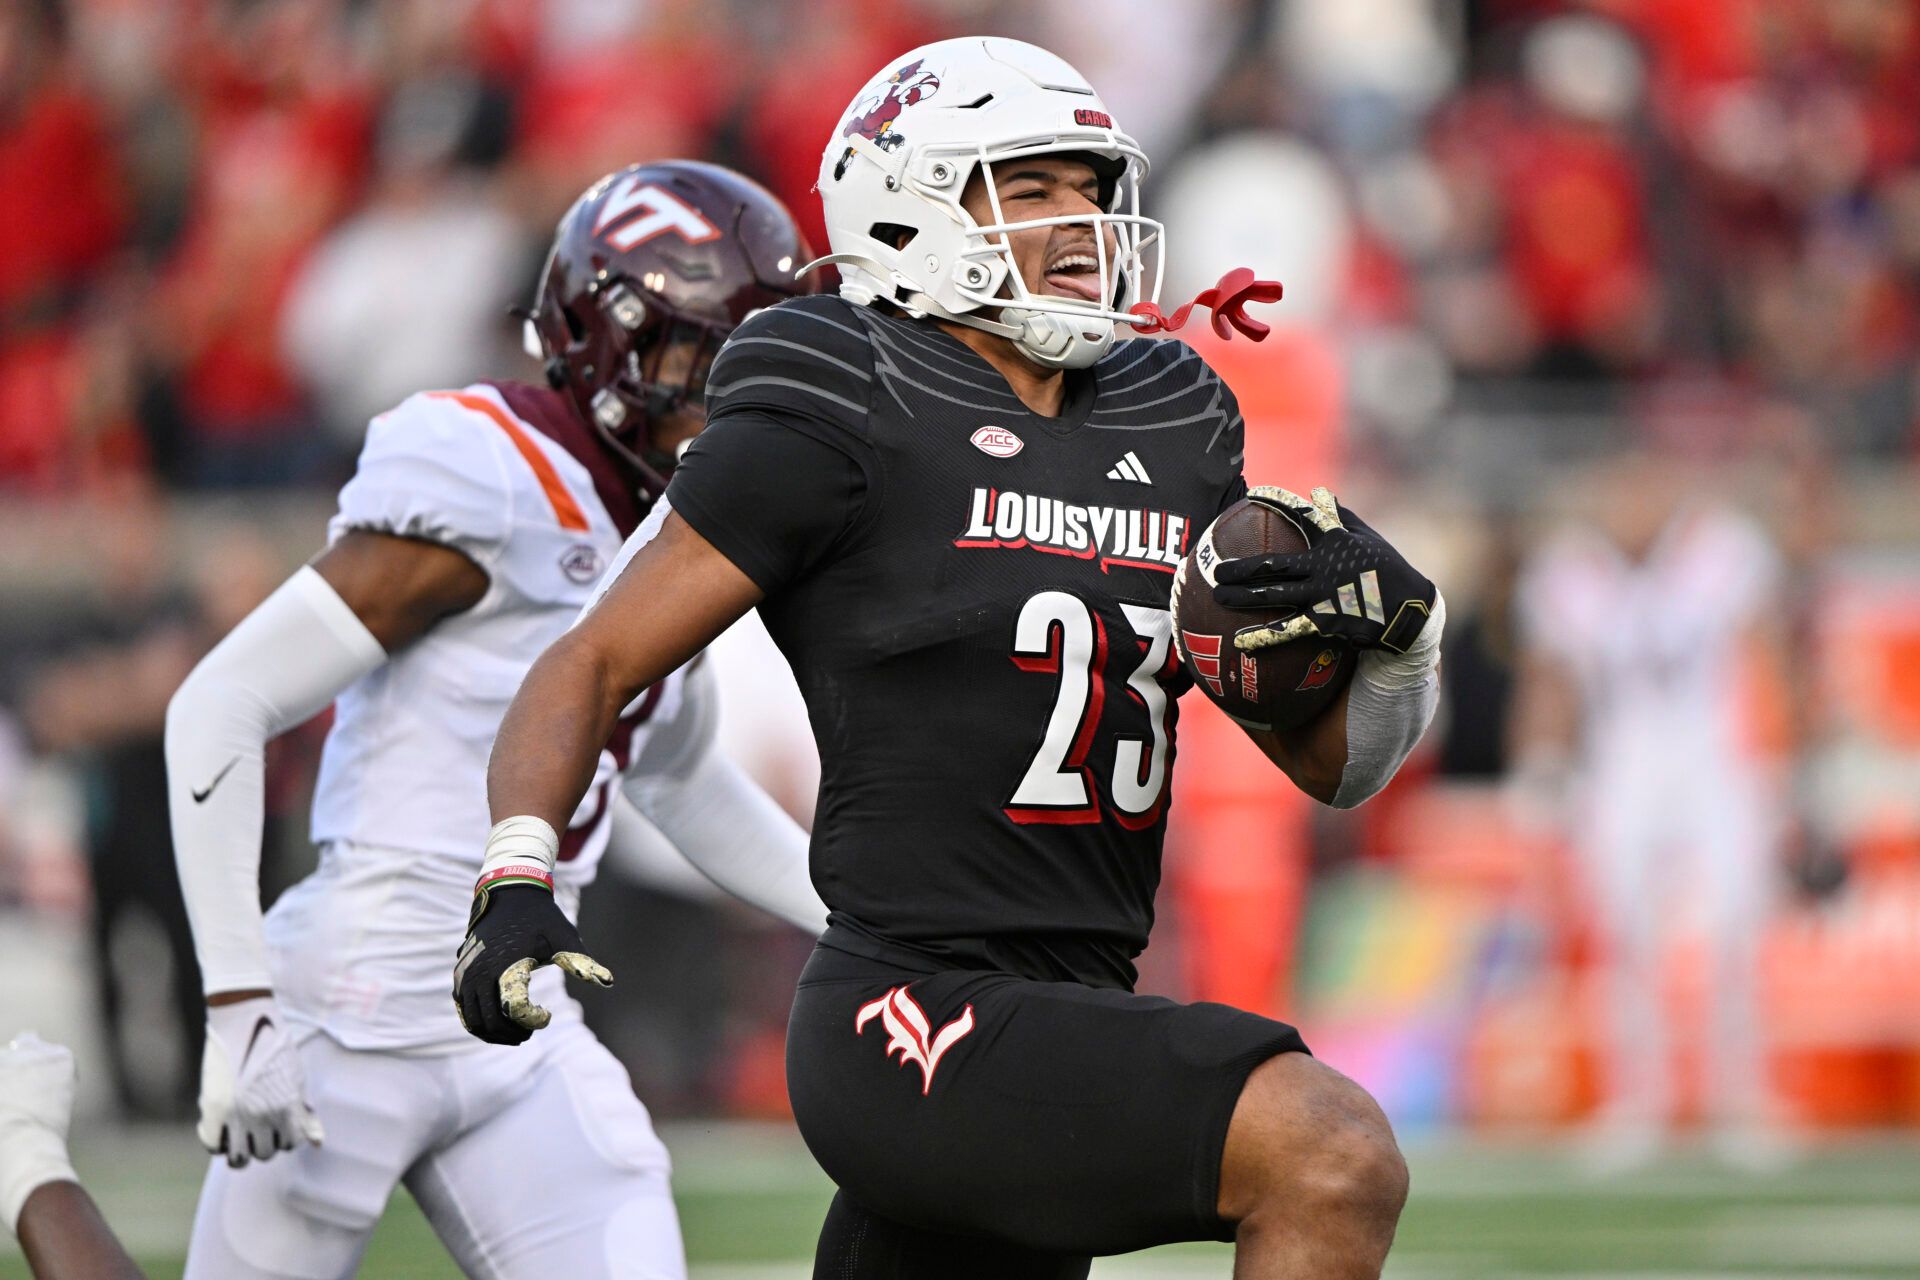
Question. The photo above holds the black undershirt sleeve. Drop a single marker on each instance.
(772, 493)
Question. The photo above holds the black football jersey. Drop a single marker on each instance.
(974, 600)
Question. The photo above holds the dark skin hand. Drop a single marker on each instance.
(399, 588)
(65, 1238)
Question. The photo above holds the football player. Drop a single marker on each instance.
(958, 501)
(1640, 631)
(470, 536)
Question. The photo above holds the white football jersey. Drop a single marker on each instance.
(364, 947)
(1654, 644)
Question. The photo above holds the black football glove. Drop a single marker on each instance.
(514, 929)
(1349, 583)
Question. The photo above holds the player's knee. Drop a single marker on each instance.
(1308, 1144)
(1358, 1172)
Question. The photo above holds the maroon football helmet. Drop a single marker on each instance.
(650, 270)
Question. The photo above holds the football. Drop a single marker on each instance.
(1282, 687)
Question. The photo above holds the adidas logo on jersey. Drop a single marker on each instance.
(1129, 468)
(1137, 536)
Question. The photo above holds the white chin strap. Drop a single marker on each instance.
(1051, 339)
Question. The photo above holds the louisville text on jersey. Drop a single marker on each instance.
(1138, 536)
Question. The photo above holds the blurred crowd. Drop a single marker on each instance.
(1519, 237)
(238, 227)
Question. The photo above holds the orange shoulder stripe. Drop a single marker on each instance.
(564, 507)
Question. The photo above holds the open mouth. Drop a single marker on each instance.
(1074, 275)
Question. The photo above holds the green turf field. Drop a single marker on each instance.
(751, 1198)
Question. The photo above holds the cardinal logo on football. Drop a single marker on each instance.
(1325, 663)
(910, 1034)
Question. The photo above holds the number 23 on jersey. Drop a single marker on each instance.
(1057, 633)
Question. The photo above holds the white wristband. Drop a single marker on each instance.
(521, 841)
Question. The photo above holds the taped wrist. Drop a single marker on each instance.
(520, 850)
(30, 1157)
(1390, 704)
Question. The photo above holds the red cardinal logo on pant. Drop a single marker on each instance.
(910, 1034)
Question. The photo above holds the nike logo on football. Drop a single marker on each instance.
(200, 797)
(1129, 468)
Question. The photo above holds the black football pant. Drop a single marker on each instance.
(982, 1124)
(858, 1244)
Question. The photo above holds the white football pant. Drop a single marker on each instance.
(1648, 838)
(531, 1161)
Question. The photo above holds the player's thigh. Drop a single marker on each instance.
(1049, 1115)
(564, 1176)
(306, 1214)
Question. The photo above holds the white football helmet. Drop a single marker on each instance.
(902, 155)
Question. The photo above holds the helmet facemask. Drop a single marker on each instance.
(1053, 330)
(648, 362)
(982, 275)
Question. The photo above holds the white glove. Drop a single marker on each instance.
(252, 1089)
(36, 1101)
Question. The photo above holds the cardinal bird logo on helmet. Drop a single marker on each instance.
(873, 117)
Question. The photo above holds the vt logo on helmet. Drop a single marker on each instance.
(892, 177)
(650, 270)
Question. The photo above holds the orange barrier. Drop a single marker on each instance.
(1237, 861)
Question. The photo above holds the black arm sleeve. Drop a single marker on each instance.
(785, 468)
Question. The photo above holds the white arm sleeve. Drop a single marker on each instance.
(1393, 698)
(284, 662)
(723, 824)
(637, 851)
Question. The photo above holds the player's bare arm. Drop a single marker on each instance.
(399, 587)
(1313, 756)
(670, 600)
(65, 1238)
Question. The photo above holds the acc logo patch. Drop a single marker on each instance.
(581, 564)
(997, 442)
(1324, 664)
